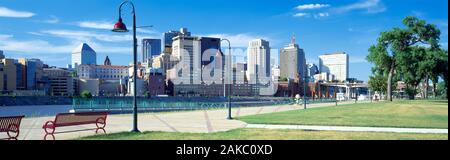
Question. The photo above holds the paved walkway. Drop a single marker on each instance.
(202, 121)
(349, 129)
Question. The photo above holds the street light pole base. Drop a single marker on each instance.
(135, 131)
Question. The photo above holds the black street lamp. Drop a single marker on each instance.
(121, 27)
(230, 68)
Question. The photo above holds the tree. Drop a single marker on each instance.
(400, 51)
(86, 94)
(378, 83)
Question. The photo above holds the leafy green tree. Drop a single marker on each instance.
(441, 90)
(400, 51)
(378, 83)
(86, 94)
(283, 79)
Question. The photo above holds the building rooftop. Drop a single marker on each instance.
(83, 47)
(333, 53)
(106, 66)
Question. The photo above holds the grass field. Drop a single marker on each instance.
(414, 114)
(267, 134)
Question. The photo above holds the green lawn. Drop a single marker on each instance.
(267, 134)
(414, 114)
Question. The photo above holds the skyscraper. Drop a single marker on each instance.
(312, 70)
(336, 64)
(187, 50)
(168, 38)
(150, 48)
(7, 75)
(32, 71)
(83, 55)
(258, 60)
(292, 61)
(209, 46)
(2, 56)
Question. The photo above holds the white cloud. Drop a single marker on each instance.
(6, 12)
(96, 24)
(301, 15)
(311, 6)
(357, 59)
(42, 47)
(34, 46)
(4, 36)
(324, 14)
(52, 20)
(370, 6)
(238, 40)
(83, 35)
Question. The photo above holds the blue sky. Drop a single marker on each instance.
(50, 30)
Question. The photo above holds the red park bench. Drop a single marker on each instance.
(75, 119)
(11, 125)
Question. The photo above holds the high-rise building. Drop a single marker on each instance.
(336, 64)
(258, 60)
(61, 83)
(7, 75)
(32, 72)
(2, 56)
(150, 48)
(169, 36)
(20, 82)
(312, 70)
(292, 61)
(164, 62)
(83, 55)
(188, 51)
(209, 46)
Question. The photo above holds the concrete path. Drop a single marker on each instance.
(202, 121)
(349, 129)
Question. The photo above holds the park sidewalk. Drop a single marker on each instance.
(201, 121)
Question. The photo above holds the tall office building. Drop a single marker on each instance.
(164, 62)
(188, 51)
(169, 36)
(2, 56)
(32, 71)
(83, 55)
(312, 70)
(150, 48)
(292, 61)
(336, 64)
(210, 46)
(20, 82)
(258, 60)
(7, 75)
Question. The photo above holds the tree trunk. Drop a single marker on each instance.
(427, 85)
(389, 83)
(434, 90)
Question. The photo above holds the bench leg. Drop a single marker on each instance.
(49, 131)
(103, 129)
(12, 138)
(46, 135)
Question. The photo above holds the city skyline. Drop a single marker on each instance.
(321, 27)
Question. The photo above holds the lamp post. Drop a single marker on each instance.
(121, 27)
(229, 79)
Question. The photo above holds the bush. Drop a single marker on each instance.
(86, 94)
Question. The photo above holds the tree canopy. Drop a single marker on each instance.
(411, 53)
